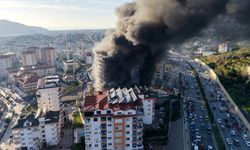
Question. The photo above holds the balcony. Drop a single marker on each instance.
(139, 111)
(134, 145)
(139, 146)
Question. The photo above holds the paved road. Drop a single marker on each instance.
(221, 108)
(176, 135)
(197, 113)
(193, 98)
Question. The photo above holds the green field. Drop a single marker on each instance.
(233, 70)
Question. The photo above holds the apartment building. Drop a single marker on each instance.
(6, 61)
(114, 120)
(41, 129)
(29, 58)
(33, 131)
(27, 81)
(48, 89)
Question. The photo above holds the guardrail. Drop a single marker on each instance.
(215, 77)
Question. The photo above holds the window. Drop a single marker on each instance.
(103, 118)
(127, 126)
(128, 139)
(96, 145)
(98, 112)
(127, 132)
(109, 138)
(110, 144)
(108, 111)
(118, 134)
(129, 113)
(109, 118)
(118, 127)
(109, 125)
(127, 145)
(118, 140)
(119, 113)
(95, 119)
(118, 120)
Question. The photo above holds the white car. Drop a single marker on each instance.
(233, 132)
(210, 147)
(227, 115)
(219, 121)
(247, 143)
(244, 136)
(229, 141)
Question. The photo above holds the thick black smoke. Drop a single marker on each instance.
(240, 10)
(144, 30)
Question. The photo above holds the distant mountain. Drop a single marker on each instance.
(9, 28)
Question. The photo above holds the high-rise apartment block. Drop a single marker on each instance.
(114, 119)
(29, 58)
(43, 128)
(33, 131)
(48, 89)
(6, 62)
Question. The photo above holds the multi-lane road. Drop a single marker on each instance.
(197, 128)
(234, 133)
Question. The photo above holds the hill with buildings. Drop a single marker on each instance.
(233, 70)
(9, 28)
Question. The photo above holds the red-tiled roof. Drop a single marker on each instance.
(100, 101)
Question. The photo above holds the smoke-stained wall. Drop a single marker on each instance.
(144, 30)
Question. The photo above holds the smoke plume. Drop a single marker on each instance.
(143, 32)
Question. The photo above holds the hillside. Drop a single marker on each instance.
(233, 70)
(8, 28)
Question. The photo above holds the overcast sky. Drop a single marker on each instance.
(62, 14)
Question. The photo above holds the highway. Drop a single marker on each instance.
(199, 133)
(233, 131)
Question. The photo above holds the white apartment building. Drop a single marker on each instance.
(223, 48)
(48, 89)
(70, 66)
(29, 58)
(6, 61)
(33, 131)
(114, 120)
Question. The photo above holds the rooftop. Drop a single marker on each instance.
(48, 48)
(48, 82)
(31, 119)
(26, 77)
(115, 99)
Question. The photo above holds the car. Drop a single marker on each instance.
(198, 135)
(222, 127)
(219, 121)
(232, 132)
(201, 118)
(209, 147)
(244, 136)
(247, 143)
(236, 142)
(229, 141)
(202, 108)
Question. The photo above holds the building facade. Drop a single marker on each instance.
(42, 129)
(34, 131)
(48, 89)
(114, 120)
